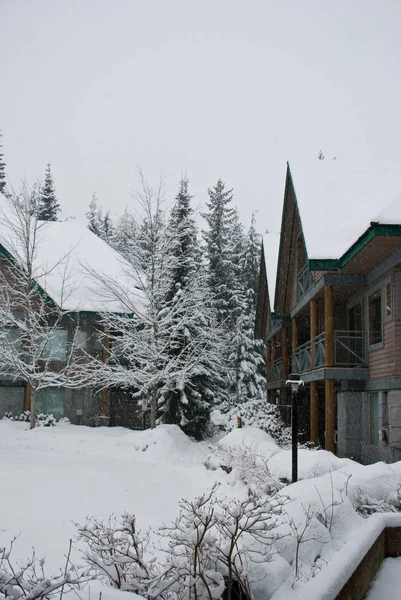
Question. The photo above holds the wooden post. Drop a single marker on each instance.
(314, 402)
(268, 361)
(313, 331)
(314, 414)
(294, 343)
(28, 391)
(329, 325)
(273, 353)
(105, 391)
(330, 412)
(284, 354)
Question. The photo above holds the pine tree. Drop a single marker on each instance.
(247, 357)
(220, 219)
(95, 216)
(107, 229)
(125, 234)
(186, 399)
(2, 169)
(49, 207)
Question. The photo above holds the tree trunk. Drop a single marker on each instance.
(32, 419)
(153, 408)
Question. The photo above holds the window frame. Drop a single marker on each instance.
(379, 344)
(387, 317)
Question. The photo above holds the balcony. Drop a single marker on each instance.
(350, 352)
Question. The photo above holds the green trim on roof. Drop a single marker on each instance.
(375, 230)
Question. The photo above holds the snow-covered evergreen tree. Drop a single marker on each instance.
(220, 218)
(107, 229)
(247, 357)
(186, 398)
(49, 207)
(95, 216)
(125, 234)
(2, 169)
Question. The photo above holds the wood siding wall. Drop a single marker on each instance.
(386, 361)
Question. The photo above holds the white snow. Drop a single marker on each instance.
(271, 246)
(52, 477)
(387, 583)
(67, 257)
(338, 202)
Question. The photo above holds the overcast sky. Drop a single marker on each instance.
(213, 88)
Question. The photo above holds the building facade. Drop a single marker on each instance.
(330, 308)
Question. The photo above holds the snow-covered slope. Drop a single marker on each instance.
(53, 477)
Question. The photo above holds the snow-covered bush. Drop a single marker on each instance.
(255, 413)
(115, 552)
(210, 549)
(252, 468)
(367, 504)
(28, 581)
(42, 419)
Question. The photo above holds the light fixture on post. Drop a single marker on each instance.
(293, 382)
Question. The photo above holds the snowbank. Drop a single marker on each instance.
(53, 477)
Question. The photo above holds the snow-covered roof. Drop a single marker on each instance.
(338, 202)
(69, 263)
(271, 245)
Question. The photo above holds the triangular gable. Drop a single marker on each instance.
(267, 283)
(292, 253)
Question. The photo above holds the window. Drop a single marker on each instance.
(50, 401)
(79, 339)
(388, 304)
(375, 317)
(374, 418)
(56, 346)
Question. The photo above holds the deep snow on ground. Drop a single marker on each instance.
(387, 583)
(53, 477)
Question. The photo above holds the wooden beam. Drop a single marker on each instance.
(294, 343)
(268, 354)
(329, 414)
(314, 414)
(273, 350)
(329, 325)
(284, 353)
(105, 391)
(28, 391)
(313, 331)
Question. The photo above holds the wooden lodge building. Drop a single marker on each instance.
(329, 305)
(66, 260)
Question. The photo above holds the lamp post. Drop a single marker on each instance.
(294, 381)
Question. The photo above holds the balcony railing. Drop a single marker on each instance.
(320, 353)
(277, 368)
(305, 280)
(349, 352)
(350, 349)
(302, 358)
